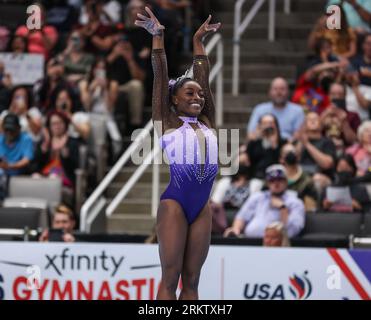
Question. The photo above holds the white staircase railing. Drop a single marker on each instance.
(240, 28)
(87, 215)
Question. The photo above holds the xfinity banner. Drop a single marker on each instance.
(38, 271)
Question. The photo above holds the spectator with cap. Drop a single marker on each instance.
(275, 235)
(275, 204)
(64, 220)
(290, 116)
(16, 147)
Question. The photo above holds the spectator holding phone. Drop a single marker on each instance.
(339, 124)
(99, 93)
(30, 117)
(62, 226)
(67, 103)
(128, 70)
(265, 149)
(76, 62)
(317, 153)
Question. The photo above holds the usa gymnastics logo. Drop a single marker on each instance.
(300, 287)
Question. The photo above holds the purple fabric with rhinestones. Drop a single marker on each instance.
(191, 179)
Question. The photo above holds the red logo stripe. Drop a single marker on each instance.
(348, 273)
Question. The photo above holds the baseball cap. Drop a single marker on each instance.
(11, 122)
(275, 171)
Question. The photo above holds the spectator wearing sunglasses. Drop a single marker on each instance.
(266, 207)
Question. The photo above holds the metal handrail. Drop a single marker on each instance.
(215, 72)
(240, 28)
(101, 188)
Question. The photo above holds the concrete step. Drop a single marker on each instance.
(264, 45)
(142, 189)
(126, 173)
(133, 223)
(296, 58)
(243, 100)
(138, 205)
(253, 85)
(299, 17)
(237, 115)
(260, 31)
(313, 6)
(269, 71)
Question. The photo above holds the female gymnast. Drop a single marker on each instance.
(186, 106)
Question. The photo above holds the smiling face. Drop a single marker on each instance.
(189, 99)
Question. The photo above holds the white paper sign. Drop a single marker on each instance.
(339, 195)
(23, 68)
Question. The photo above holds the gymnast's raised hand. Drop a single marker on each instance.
(151, 23)
(206, 29)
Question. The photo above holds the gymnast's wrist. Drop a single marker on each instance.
(158, 34)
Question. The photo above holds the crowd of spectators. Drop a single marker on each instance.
(308, 151)
(96, 62)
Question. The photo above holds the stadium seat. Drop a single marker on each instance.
(39, 188)
(37, 193)
(19, 218)
(367, 225)
(34, 203)
(331, 226)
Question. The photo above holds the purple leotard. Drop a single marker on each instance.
(191, 175)
(192, 167)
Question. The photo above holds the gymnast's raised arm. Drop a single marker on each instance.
(160, 98)
(201, 67)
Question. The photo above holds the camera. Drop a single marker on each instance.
(56, 235)
(268, 131)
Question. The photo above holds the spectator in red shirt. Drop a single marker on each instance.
(42, 40)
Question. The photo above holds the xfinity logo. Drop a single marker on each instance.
(70, 262)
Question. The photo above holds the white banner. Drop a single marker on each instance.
(56, 271)
(24, 68)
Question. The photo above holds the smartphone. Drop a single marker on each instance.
(56, 235)
(340, 103)
(268, 131)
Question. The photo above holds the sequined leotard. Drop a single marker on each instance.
(193, 167)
